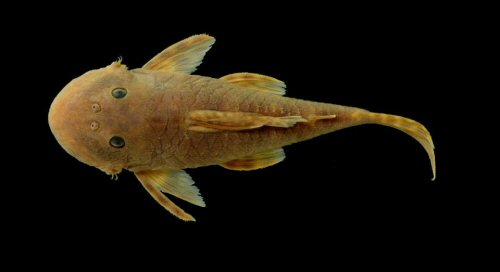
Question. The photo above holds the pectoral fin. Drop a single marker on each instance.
(257, 82)
(256, 161)
(183, 56)
(213, 121)
(174, 182)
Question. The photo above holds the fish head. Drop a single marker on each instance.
(91, 117)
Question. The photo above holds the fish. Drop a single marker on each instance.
(160, 119)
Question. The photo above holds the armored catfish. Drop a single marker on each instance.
(159, 119)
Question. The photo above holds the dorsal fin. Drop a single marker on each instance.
(257, 82)
(214, 121)
(184, 56)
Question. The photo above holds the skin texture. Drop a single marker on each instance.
(171, 120)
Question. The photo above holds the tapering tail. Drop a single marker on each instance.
(408, 126)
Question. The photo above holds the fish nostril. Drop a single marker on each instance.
(96, 107)
(94, 125)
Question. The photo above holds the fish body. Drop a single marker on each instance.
(160, 119)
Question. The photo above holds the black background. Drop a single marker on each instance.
(354, 191)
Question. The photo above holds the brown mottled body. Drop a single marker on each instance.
(159, 119)
(177, 147)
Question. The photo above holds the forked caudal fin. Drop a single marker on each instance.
(413, 128)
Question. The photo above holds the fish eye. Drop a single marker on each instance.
(117, 142)
(119, 93)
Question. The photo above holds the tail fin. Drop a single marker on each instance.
(408, 126)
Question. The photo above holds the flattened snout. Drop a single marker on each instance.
(68, 121)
